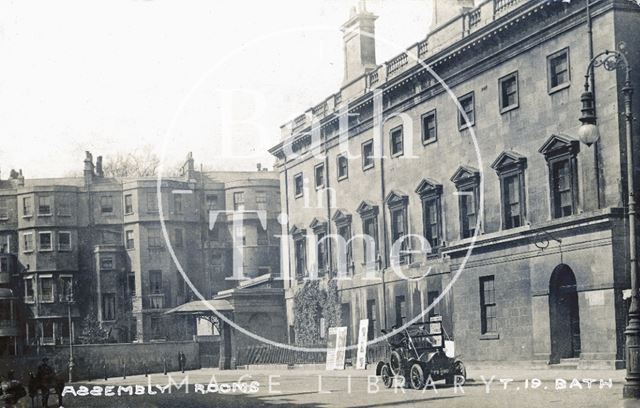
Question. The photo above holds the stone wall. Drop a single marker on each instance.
(93, 360)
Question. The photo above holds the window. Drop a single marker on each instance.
(321, 252)
(344, 231)
(4, 209)
(128, 204)
(298, 185)
(238, 201)
(342, 167)
(511, 201)
(48, 332)
(154, 238)
(63, 204)
(213, 233)
(369, 215)
(4, 264)
(108, 306)
(432, 295)
(261, 200)
(156, 327)
(558, 70)
(431, 196)
(44, 241)
(46, 289)
(27, 206)
(562, 186)
(177, 238)
(64, 241)
(467, 181)
(152, 201)
(467, 104)
(319, 175)
(177, 203)
(508, 92)
(371, 315)
(398, 231)
(129, 241)
(431, 219)
(212, 201)
(510, 168)
(370, 229)
(397, 203)
(106, 263)
(401, 311)
(44, 205)
(561, 154)
(301, 255)
(397, 142)
(488, 305)
(131, 284)
(27, 240)
(468, 211)
(263, 236)
(28, 290)
(155, 281)
(65, 287)
(180, 290)
(429, 127)
(367, 155)
(106, 204)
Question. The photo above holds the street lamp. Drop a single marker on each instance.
(589, 134)
(68, 299)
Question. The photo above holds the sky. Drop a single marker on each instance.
(217, 78)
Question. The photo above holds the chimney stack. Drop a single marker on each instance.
(99, 171)
(88, 168)
(359, 43)
(259, 166)
(445, 10)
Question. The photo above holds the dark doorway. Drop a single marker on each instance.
(564, 316)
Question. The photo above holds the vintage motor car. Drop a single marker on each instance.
(417, 353)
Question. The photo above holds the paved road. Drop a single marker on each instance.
(351, 388)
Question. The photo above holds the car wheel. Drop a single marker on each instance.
(396, 363)
(387, 377)
(416, 376)
(460, 371)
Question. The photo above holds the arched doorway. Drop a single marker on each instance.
(564, 315)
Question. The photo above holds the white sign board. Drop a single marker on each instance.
(331, 349)
(363, 332)
(341, 344)
(336, 343)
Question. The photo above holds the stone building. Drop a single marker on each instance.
(526, 226)
(95, 245)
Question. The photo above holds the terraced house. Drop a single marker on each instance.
(94, 245)
(526, 225)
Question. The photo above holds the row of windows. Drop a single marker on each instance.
(45, 241)
(47, 289)
(488, 309)
(558, 78)
(510, 168)
(106, 204)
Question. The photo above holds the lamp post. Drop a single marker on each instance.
(590, 134)
(68, 299)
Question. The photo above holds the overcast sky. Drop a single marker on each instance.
(114, 76)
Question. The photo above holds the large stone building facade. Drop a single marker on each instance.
(526, 226)
(99, 246)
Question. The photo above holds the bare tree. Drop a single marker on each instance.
(139, 163)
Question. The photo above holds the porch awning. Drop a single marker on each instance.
(202, 307)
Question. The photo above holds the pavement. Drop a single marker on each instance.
(313, 387)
